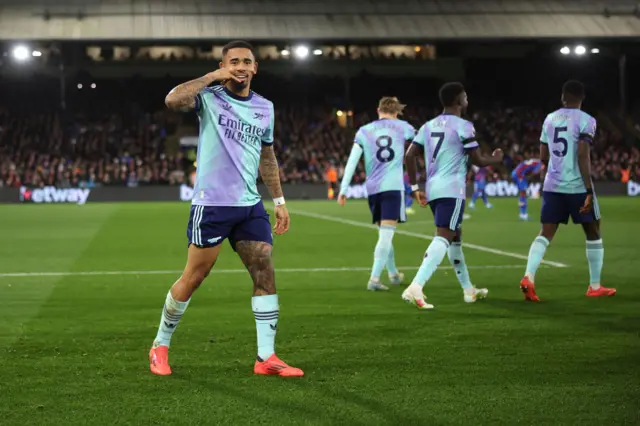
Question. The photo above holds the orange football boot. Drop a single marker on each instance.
(529, 290)
(276, 367)
(159, 361)
(601, 292)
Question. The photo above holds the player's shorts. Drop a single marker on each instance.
(521, 183)
(209, 226)
(388, 205)
(479, 186)
(557, 208)
(448, 212)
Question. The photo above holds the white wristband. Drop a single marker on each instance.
(278, 201)
(414, 188)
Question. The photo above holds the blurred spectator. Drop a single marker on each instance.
(130, 147)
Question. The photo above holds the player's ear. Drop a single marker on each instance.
(221, 64)
(255, 67)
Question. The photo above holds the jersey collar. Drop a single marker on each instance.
(238, 97)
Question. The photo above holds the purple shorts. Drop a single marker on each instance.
(209, 226)
(388, 205)
(448, 212)
(557, 208)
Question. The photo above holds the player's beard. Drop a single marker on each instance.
(239, 87)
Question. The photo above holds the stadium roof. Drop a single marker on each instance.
(314, 19)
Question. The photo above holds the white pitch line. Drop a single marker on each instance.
(424, 237)
(223, 271)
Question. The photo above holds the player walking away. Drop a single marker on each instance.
(383, 144)
(519, 175)
(236, 140)
(408, 199)
(567, 135)
(479, 184)
(446, 142)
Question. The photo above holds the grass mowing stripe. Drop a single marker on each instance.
(424, 237)
(225, 271)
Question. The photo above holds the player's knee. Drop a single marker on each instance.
(446, 233)
(592, 231)
(548, 231)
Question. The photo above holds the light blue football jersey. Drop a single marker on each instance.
(383, 143)
(446, 141)
(233, 130)
(562, 131)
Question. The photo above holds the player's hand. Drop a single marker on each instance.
(420, 198)
(223, 75)
(342, 199)
(282, 220)
(588, 204)
(498, 154)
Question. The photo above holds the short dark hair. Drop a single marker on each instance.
(574, 89)
(237, 44)
(450, 92)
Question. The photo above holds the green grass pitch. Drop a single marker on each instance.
(75, 328)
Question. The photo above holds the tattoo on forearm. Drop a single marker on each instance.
(256, 256)
(182, 97)
(270, 172)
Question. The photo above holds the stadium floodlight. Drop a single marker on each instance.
(36, 53)
(595, 50)
(339, 113)
(317, 52)
(301, 52)
(79, 86)
(580, 50)
(565, 50)
(93, 85)
(284, 52)
(21, 53)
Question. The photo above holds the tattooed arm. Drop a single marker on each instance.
(183, 96)
(269, 171)
(271, 177)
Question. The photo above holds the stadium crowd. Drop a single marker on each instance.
(129, 148)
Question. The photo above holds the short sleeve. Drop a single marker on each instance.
(198, 103)
(201, 101)
(544, 135)
(419, 139)
(467, 135)
(588, 129)
(267, 136)
(410, 133)
(359, 138)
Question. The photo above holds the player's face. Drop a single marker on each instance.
(241, 63)
(464, 102)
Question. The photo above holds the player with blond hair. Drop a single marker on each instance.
(383, 144)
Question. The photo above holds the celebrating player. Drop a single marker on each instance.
(567, 135)
(519, 175)
(479, 184)
(383, 144)
(236, 140)
(446, 141)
